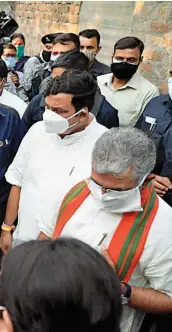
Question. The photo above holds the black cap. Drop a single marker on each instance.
(48, 39)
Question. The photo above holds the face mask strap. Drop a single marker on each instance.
(77, 113)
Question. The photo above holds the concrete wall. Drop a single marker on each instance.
(38, 18)
(150, 21)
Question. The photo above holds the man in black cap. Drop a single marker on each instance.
(39, 61)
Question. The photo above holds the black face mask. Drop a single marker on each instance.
(123, 70)
(46, 55)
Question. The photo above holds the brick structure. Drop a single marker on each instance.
(38, 18)
(150, 21)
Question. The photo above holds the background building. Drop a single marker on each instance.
(151, 21)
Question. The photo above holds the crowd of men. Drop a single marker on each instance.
(85, 153)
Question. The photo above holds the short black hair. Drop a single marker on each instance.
(18, 35)
(129, 42)
(61, 284)
(6, 47)
(78, 83)
(72, 60)
(63, 38)
(3, 69)
(90, 33)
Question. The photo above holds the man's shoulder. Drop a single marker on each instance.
(38, 129)
(37, 99)
(9, 112)
(32, 62)
(143, 83)
(162, 99)
(98, 129)
(163, 218)
(12, 99)
(104, 78)
(101, 68)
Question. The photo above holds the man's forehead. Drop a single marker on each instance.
(128, 52)
(60, 99)
(9, 50)
(87, 41)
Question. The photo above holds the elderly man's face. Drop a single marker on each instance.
(109, 181)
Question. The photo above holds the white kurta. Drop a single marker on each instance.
(91, 222)
(45, 168)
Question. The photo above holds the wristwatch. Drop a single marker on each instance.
(126, 293)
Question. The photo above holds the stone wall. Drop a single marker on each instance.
(38, 18)
(150, 20)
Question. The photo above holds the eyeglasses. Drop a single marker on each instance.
(108, 190)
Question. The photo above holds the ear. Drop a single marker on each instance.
(99, 49)
(83, 114)
(6, 323)
(141, 59)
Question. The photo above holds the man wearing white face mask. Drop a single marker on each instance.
(119, 209)
(124, 89)
(54, 154)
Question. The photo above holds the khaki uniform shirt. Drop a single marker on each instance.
(131, 99)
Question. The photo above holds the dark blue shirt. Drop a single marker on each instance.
(99, 68)
(160, 108)
(11, 134)
(106, 115)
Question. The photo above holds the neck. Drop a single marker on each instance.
(78, 128)
(91, 63)
(117, 83)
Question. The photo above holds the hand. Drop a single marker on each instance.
(5, 241)
(15, 79)
(105, 254)
(162, 184)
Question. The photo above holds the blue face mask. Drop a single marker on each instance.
(10, 62)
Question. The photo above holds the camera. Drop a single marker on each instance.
(8, 25)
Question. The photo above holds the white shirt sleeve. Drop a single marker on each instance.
(15, 172)
(159, 269)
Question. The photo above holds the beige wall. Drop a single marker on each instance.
(150, 20)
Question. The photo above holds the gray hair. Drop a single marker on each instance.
(121, 148)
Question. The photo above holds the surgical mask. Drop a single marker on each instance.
(56, 124)
(91, 55)
(10, 62)
(123, 70)
(46, 55)
(118, 201)
(54, 57)
(170, 87)
(20, 51)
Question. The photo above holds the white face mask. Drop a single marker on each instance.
(54, 57)
(118, 201)
(55, 123)
(170, 87)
